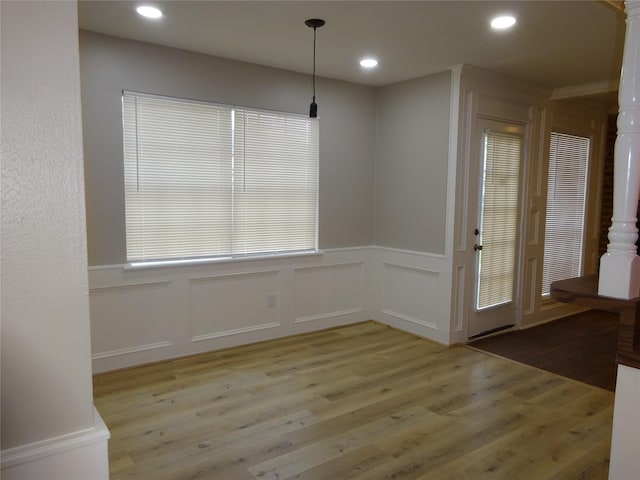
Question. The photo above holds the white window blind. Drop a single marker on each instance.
(205, 180)
(275, 182)
(566, 203)
(499, 219)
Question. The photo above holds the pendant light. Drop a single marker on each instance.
(314, 23)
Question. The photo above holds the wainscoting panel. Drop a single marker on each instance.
(530, 277)
(459, 299)
(413, 293)
(410, 294)
(129, 318)
(233, 304)
(328, 291)
(143, 315)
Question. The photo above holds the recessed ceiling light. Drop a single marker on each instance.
(503, 22)
(368, 62)
(149, 12)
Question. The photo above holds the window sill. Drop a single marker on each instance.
(217, 260)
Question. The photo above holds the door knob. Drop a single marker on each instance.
(477, 247)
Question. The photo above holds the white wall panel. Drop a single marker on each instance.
(144, 315)
(328, 291)
(147, 315)
(129, 318)
(411, 294)
(233, 304)
(459, 299)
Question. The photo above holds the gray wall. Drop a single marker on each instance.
(411, 164)
(347, 130)
(46, 356)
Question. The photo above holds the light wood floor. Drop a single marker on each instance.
(357, 402)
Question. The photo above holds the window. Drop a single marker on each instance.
(206, 181)
(566, 203)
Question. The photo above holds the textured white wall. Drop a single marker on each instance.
(46, 368)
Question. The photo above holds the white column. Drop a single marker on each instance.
(50, 429)
(620, 266)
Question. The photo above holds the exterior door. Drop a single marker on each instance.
(496, 246)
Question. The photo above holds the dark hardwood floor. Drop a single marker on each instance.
(582, 347)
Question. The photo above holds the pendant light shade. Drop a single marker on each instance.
(314, 23)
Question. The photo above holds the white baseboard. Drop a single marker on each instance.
(80, 455)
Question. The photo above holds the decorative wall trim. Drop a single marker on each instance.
(417, 297)
(322, 316)
(413, 268)
(529, 287)
(237, 331)
(171, 312)
(408, 278)
(130, 318)
(459, 298)
(436, 256)
(349, 249)
(127, 286)
(222, 276)
(208, 262)
(329, 266)
(584, 90)
(408, 318)
(127, 351)
(233, 303)
(455, 238)
(328, 291)
(411, 291)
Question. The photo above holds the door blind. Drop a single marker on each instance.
(499, 219)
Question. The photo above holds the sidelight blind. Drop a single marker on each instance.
(205, 180)
(498, 232)
(566, 203)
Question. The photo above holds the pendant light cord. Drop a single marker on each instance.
(314, 23)
(314, 64)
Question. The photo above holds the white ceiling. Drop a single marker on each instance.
(555, 43)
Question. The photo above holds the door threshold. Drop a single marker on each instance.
(489, 332)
